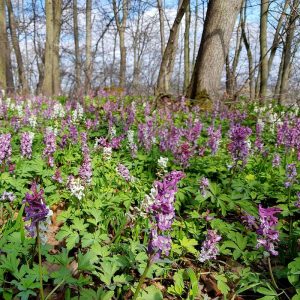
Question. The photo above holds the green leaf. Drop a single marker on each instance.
(151, 293)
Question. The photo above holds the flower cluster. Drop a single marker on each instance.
(276, 160)
(57, 176)
(214, 138)
(160, 207)
(131, 144)
(291, 175)
(5, 147)
(37, 212)
(239, 146)
(85, 171)
(162, 163)
(75, 187)
(50, 142)
(26, 144)
(269, 236)
(209, 248)
(297, 203)
(124, 172)
(8, 196)
(204, 184)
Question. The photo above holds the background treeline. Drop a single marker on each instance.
(197, 48)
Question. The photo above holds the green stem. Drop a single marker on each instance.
(54, 289)
(40, 261)
(271, 274)
(141, 281)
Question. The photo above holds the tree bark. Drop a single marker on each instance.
(15, 42)
(76, 45)
(88, 47)
(218, 28)
(162, 86)
(249, 54)
(56, 39)
(3, 46)
(195, 34)
(186, 80)
(161, 26)
(277, 35)
(287, 50)
(121, 25)
(263, 50)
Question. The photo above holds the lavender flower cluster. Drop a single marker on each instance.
(124, 173)
(5, 147)
(36, 212)
(209, 248)
(160, 207)
(26, 144)
(269, 236)
(239, 147)
(85, 171)
(50, 148)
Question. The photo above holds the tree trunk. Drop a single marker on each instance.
(187, 48)
(10, 85)
(195, 34)
(218, 28)
(56, 39)
(76, 44)
(249, 54)
(121, 25)
(277, 35)
(161, 26)
(15, 42)
(287, 50)
(3, 46)
(263, 50)
(88, 47)
(162, 86)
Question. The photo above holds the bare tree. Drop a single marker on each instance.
(168, 58)
(287, 49)
(15, 42)
(263, 49)
(187, 48)
(51, 83)
(76, 44)
(121, 13)
(88, 46)
(161, 26)
(3, 45)
(218, 28)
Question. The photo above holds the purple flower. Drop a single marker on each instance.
(160, 207)
(238, 146)
(57, 176)
(214, 137)
(184, 153)
(204, 184)
(209, 248)
(5, 147)
(291, 174)
(26, 144)
(249, 221)
(85, 171)
(123, 172)
(35, 208)
(258, 141)
(269, 236)
(159, 244)
(8, 196)
(50, 148)
(276, 160)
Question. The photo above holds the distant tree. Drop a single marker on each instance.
(218, 27)
(167, 63)
(264, 8)
(76, 45)
(51, 83)
(88, 47)
(23, 84)
(121, 14)
(3, 46)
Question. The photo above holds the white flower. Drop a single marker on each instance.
(32, 121)
(162, 162)
(76, 188)
(107, 152)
